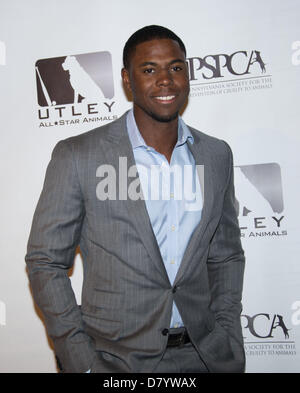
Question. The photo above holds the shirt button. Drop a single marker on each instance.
(173, 228)
(172, 195)
(172, 261)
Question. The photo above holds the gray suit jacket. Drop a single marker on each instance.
(126, 294)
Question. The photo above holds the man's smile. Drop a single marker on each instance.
(165, 99)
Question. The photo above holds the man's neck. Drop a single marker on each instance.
(162, 136)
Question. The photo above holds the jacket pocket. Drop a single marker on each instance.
(101, 328)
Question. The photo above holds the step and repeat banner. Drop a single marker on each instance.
(60, 65)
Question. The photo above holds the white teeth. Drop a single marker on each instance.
(165, 98)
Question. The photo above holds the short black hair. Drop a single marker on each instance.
(148, 33)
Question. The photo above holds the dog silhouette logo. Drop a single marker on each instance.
(258, 189)
(280, 323)
(259, 60)
(74, 79)
(81, 82)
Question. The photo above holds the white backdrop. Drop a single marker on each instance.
(244, 60)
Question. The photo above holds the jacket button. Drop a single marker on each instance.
(165, 332)
(174, 289)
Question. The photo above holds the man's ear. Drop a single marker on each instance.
(126, 79)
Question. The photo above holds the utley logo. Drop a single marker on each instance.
(259, 200)
(75, 89)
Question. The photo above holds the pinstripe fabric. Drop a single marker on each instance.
(126, 295)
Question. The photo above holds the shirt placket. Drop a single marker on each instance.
(173, 223)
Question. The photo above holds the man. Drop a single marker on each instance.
(162, 276)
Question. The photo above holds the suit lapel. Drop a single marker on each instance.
(118, 141)
(202, 156)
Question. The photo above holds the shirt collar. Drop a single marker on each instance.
(137, 140)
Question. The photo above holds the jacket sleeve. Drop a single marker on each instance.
(54, 236)
(226, 264)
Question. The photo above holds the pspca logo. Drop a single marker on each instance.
(259, 200)
(243, 70)
(267, 335)
(217, 66)
(73, 89)
(265, 326)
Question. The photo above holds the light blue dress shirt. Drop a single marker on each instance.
(172, 195)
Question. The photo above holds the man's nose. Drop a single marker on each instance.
(164, 78)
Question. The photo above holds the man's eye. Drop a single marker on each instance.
(149, 70)
(176, 68)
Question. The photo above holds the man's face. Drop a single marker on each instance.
(158, 79)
